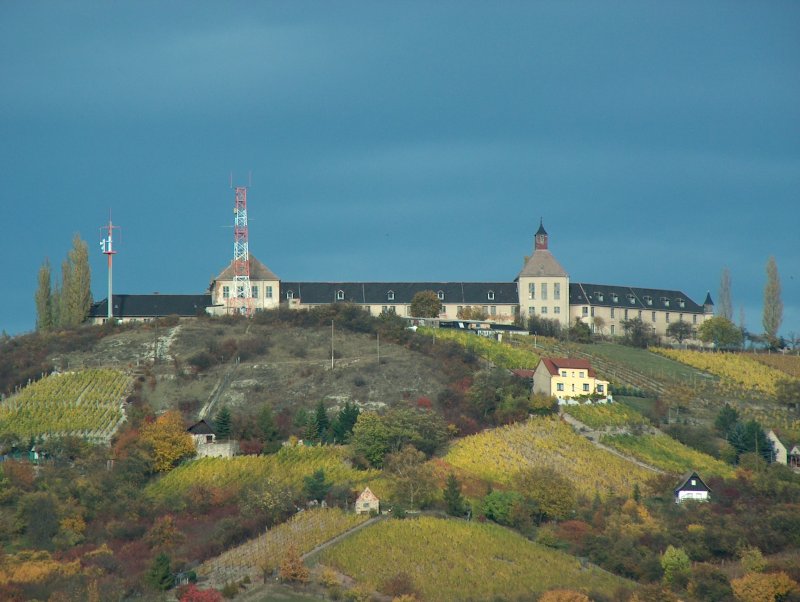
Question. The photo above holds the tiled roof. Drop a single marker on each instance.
(542, 263)
(149, 306)
(682, 484)
(399, 293)
(200, 428)
(555, 364)
(604, 295)
(258, 271)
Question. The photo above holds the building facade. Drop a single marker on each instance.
(569, 379)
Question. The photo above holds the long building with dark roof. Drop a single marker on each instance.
(542, 288)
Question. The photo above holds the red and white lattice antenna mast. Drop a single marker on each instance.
(241, 301)
(107, 244)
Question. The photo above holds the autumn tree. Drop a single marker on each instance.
(676, 565)
(76, 294)
(564, 595)
(44, 299)
(637, 333)
(552, 494)
(425, 304)
(472, 312)
(724, 305)
(773, 305)
(763, 587)
(413, 479)
(376, 435)
(680, 331)
(721, 332)
(292, 569)
(169, 440)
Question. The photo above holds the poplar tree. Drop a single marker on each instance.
(77, 282)
(773, 305)
(725, 307)
(44, 300)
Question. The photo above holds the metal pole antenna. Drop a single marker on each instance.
(331, 344)
(107, 244)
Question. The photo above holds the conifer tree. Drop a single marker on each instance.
(44, 300)
(724, 306)
(773, 305)
(452, 496)
(160, 573)
(321, 422)
(222, 423)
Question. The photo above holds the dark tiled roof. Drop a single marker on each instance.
(200, 428)
(542, 263)
(258, 271)
(604, 295)
(379, 293)
(145, 306)
(683, 484)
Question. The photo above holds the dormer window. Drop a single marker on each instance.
(631, 299)
(340, 295)
(440, 294)
(598, 296)
(390, 296)
(681, 302)
(648, 299)
(665, 301)
(615, 298)
(490, 295)
(290, 294)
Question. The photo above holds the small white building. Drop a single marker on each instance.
(691, 487)
(367, 502)
(206, 444)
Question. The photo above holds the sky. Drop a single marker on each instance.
(403, 141)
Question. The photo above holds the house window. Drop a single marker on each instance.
(390, 296)
(648, 299)
(584, 311)
(598, 296)
(640, 314)
(615, 298)
(667, 318)
(490, 295)
(254, 291)
(493, 310)
(592, 311)
(531, 311)
(485, 309)
(240, 291)
(290, 294)
(340, 295)
(209, 438)
(626, 314)
(654, 316)
(559, 386)
(268, 292)
(459, 309)
(613, 312)
(442, 310)
(557, 291)
(585, 387)
(694, 482)
(440, 294)
(631, 299)
(613, 330)
(544, 309)
(557, 309)
(544, 290)
(599, 388)
(531, 291)
(665, 301)
(681, 302)
(564, 373)
(694, 319)
(226, 292)
(580, 374)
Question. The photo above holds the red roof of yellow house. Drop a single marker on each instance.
(555, 364)
(367, 496)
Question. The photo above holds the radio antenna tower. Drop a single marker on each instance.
(107, 244)
(242, 300)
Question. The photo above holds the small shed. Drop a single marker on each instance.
(367, 502)
(202, 433)
(691, 487)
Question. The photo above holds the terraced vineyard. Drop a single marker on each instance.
(668, 454)
(263, 555)
(88, 403)
(605, 415)
(789, 364)
(499, 353)
(458, 560)
(288, 467)
(496, 455)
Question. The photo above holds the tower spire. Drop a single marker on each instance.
(540, 240)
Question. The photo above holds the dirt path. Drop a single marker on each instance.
(342, 536)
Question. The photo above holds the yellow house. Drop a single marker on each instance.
(367, 502)
(568, 379)
(264, 288)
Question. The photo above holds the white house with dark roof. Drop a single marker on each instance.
(691, 487)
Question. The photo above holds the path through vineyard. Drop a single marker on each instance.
(595, 435)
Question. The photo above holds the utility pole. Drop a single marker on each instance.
(379, 348)
(331, 344)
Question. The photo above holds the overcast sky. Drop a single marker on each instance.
(659, 141)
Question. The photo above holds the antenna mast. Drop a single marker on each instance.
(107, 244)
(242, 300)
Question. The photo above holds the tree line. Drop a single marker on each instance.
(64, 303)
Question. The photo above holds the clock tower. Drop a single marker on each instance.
(540, 240)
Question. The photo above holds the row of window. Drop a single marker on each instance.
(648, 300)
(586, 388)
(586, 311)
(543, 310)
(543, 291)
(254, 291)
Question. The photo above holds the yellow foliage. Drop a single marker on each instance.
(763, 587)
(170, 442)
(564, 595)
(75, 524)
(33, 567)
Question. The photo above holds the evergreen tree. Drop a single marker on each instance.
(315, 486)
(44, 300)
(345, 421)
(724, 305)
(726, 419)
(222, 423)
(773, 305)
(160, 573)
(321, 422)
(452, 496)
(750, 437)
(267, 427)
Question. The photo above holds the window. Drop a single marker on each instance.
(694, 319)
(290, 294)
(667, 318)
(559, 386)
(613, 330)
(613, 312)
(584, 311)
(459, 309)
(599, 388)
(654, 316)
(580, 374)
(531, 310)
(557, 291)
(557, 309)
(268, 292)
(585, 387)
(664, 301)
(390, 296)
(209, 438)
(694, 483)
(254, 291)
(640, 314)
(680, 317)
(615, 297)
(631, 299)
(544, 309)
(493, 310)
(592, 311)
(443, 310)
(626, 314)
(226, 292)
(339, 295)
(544, 290)
(531, 291)
(681, 302)
(240, 291)
(485, 309)
(490, 295)
(598, 296)
(564, 373)
(440, 294)
(648, 299)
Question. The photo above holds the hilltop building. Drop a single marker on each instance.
(569, 379)
(542, 288)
